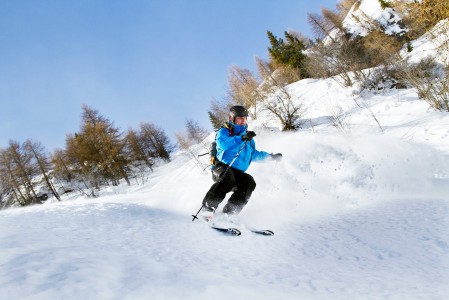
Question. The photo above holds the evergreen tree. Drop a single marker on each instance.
(288, 52)
(276, 47)
(215, 121)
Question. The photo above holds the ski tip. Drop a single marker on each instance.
(264, 232)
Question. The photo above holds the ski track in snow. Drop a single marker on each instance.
(132, 251)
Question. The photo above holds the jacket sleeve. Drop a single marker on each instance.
(225, 141)
(259, 155)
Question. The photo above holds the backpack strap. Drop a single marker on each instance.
(228, 127)
(213, 146)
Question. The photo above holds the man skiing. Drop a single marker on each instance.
(235, 145)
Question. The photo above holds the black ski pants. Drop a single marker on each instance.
(243, 183)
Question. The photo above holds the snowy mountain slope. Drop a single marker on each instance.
(359, 212)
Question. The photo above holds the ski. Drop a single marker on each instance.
(253, 230)
(227, 230)
(232, 230)
(262, 232)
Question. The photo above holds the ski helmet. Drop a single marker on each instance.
(237, 111)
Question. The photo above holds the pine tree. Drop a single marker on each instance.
(288, 52)
(215, 121)
(276, 46)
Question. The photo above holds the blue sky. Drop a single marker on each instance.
(158, 61)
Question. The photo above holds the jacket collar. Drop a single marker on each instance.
(238, 129)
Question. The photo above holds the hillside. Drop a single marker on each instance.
(358, 205)
(361, 214)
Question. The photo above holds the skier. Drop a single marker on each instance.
(230, 139)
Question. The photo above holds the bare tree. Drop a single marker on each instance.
(17, 172)
(344, 60)
(156, 141)
(95, 154)
(333, 18)
(219, 112)
(85, 171)
(136, 149)
(320, 28)
(194, 134)
(344, 6)
(323, 25)
(138, 157)
(339, 119)
(43, 162)
(102, 146)
(278, 100)
(243, 88)
(431, 80)
(62, 169)
(10, 181)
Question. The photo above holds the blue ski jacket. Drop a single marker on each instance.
(228, 145)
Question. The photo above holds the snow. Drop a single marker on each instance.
(111, 249)
(432, 44)
(364, 14)
(359, 212)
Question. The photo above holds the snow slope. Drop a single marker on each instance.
(357, 214)
(120, 250)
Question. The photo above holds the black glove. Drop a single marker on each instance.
(248, 136)
(277, 156)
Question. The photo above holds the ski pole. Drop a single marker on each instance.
(222, 176)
